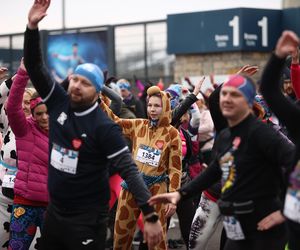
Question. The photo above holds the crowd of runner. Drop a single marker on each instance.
(85, 155)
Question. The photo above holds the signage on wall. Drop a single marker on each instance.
(240, 29)
(291, 19)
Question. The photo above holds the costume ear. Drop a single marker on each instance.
(153, 90)
(168, 95)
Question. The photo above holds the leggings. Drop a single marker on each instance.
(24, 222)
(205, 222)
(185, 212)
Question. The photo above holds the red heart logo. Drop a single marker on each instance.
(236, 142)
(76, 143)
(159, 144)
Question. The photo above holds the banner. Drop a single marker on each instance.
(66, 51)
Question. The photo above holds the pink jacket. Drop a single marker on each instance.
(31, 144)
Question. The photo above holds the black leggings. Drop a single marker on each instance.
(185, 211)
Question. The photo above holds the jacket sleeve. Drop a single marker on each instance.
(127, 125)
(129, 172)
(286, 111)
(15, 114)
(37, 71)
(116, 100)
(175, 161)
(180, 110)
(214, 106)
(195, 117)
(203, 181)
(295, 78)
(276, 148)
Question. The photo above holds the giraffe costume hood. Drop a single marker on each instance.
(157, 153)
(166, 116)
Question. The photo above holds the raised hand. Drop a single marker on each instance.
(22, 66)
(287, 44)
(295, 56)
(198, 86)
(37, 13)
(248, 70)
(3, 73)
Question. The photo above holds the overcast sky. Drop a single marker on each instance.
(79, 13)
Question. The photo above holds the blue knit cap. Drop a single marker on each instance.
(244, 85)
(123, 84)
(93, 73)
(176, 92)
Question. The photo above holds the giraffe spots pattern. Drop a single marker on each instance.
(176, 162)
(142, 132)
(118, 228)
(175, 181)
(124, 213)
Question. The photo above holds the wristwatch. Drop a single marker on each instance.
(152, 218)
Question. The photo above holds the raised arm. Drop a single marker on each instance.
(34, 64)
(295, 73)
(15, 113)
(286, 111)
(215, 111)
(181, 109)
(195, 119)
(127, 125)
(116, 100)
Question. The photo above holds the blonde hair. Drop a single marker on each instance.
(30, 91)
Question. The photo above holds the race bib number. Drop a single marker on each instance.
(148, 155)
(233, 228)
(63, 159)
(292, 205)
(8, 181)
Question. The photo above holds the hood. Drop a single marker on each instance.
(165, 118)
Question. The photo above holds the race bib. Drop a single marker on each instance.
(63, 159)
(233, 228)
(148, 155)
(292, 205)
(9, 181)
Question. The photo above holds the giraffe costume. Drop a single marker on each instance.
(161, 147)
